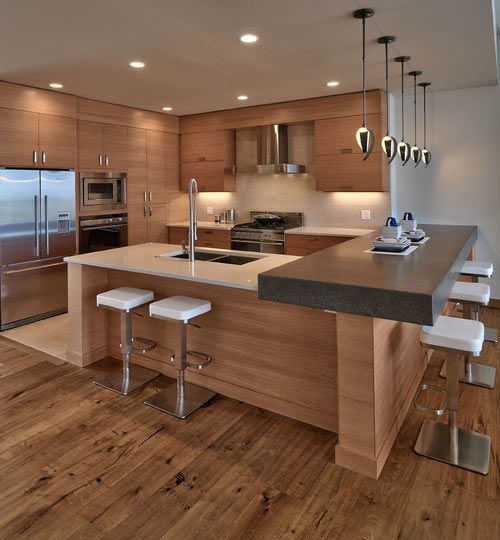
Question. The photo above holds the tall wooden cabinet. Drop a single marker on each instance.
(29, 139)
(102, 146)
(208, 156)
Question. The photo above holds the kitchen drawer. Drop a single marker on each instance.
(206, 237)
(177, 234)
(305, 244)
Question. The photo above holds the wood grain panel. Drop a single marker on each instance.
(156, 166)
(157, 217)
(137, 224)
(89, 137)
(171, 162)
(18, 138)
(209, 174)
(305, 244)
(136, 175)
(177, 235)
(348, 172)
(114, 146)
(98, 111)
(203, 146)
(338, 135)
(56, 135)
(287, 112)
(27, 98)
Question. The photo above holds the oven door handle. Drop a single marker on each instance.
(276, 243)
(103, 227)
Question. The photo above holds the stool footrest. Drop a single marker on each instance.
(424, 408)
(169, 401)
(150, 345)
(477, 375)
(205, 360)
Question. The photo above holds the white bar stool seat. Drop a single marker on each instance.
(182, 398)
(477, 268)
(447, 442)
(473, 293)
(131, 376)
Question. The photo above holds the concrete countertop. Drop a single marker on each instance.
(148, 259)
(412, 288)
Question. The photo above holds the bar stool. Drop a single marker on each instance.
(472, 296)
(448, 442)
(181, 399)
(476, 270)
(131, 377)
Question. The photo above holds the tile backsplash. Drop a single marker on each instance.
(292, 193)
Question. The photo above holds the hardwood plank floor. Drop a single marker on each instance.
(77, 461)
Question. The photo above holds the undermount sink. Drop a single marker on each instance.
(223, 258)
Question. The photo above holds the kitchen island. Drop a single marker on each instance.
(275, 336)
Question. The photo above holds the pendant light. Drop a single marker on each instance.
(403, 146)
(426, 155)
(416, 153)
(364, 136)
(389, 143)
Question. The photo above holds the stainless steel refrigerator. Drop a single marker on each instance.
(37, 229)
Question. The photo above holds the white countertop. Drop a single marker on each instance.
(146, 259)
(329, 231)
(205, 225)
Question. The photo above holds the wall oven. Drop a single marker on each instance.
(98, 233)
(103, 191)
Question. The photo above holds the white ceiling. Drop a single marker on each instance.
(195, 62)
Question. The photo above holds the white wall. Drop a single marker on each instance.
(462, 183)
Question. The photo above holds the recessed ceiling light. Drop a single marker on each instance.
(332, 83)
(249, 38)
(137, 64)
(55, 85)
(242, 98)
(167, 108)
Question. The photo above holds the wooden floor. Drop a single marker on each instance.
(77, 461)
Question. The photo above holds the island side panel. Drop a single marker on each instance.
(278, 357)
(380, 364)
(87, 324)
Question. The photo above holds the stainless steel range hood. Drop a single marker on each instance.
(272, 153)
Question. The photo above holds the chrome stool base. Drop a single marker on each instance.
(491, 334)
(168, 400)
(477, 374)
(472, 450)
(139, 376)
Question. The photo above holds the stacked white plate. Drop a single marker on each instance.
(391, 245)
(415, 236)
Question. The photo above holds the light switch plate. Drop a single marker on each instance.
(366, 215)
(210, 210)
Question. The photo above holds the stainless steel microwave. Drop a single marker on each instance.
(103, 191)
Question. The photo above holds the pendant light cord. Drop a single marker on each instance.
(387, 85)
(363, 76)
(425, 123)
(402, 103)
(415, 105)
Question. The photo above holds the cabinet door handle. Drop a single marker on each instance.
(35, 156)
(100, 160)
(44, 156)
(312, 239)
(150, 212)
(106, 160)
(150, 196)
(145, 196)
(145, 212)
(208, 232)
(202, 158)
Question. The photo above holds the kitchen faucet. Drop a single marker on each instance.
(193, 190)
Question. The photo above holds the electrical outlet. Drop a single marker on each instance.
(210, 210)
(366, 215)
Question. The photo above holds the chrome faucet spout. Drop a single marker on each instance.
(192, 190)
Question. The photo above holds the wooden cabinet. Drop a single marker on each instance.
(208, 156)
(147, 223)
(339, 164)
(212, 238)
(137, 184)
(305, 244)
(171, 141)
(29, 139)
(155, 166)
(102, 146)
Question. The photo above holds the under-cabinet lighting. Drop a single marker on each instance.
(137, 64)
(55, 85)
(249, 38)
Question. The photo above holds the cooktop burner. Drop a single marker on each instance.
(289, 220)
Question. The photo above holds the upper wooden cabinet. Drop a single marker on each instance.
(172, 162)
(29, 139)
(155, 166)
(339, 164)
(102, 146)
(208, 156)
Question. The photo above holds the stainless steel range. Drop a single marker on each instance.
(266, 232)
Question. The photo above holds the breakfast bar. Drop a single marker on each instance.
(330, 339)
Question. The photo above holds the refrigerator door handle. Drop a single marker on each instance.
(8, 272)
(47, 242)
(37, 227)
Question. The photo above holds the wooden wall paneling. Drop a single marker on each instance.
(18, 138)
(26, 98)
(89, 144)
(56, 136)
(114, 146)
(171, 162)
(155, 161)
(87, 323)
(120, 115)
(203, 146)
(157, 219)
(136, 164)
(264, 356)
(289, 112)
